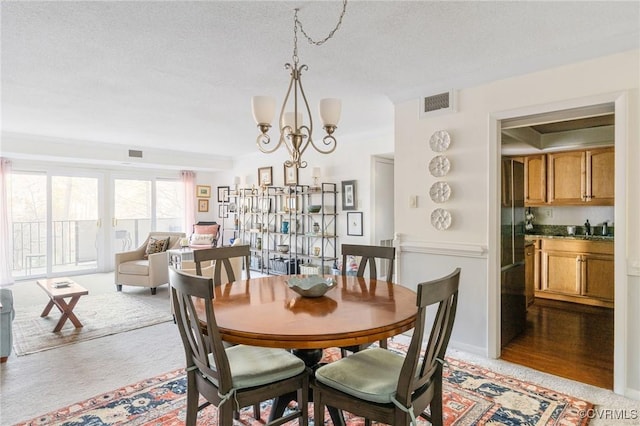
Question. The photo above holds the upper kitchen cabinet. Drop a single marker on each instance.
(535, 180)
(581, 177)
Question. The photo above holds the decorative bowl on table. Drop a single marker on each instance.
(314, 208)
(311, 286)
(283, 248)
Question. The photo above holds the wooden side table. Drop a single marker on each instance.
(58, 289)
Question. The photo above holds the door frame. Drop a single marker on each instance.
(620, 101)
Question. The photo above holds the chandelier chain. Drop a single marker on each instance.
(311, 40)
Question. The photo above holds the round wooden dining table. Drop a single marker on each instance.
(266, 312)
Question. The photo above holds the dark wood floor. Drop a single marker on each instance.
(568, 340)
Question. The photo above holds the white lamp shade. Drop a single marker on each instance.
(236, 180)
(315, 172)
(263, 108)
(288, 119)
(330, 110)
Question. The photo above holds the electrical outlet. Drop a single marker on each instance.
(546, 212)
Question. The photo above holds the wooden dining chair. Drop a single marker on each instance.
(368, 256)
(385, 386)
(230, 377)
(227, 265)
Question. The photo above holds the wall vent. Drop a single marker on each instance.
(135, 153)
(437, 104)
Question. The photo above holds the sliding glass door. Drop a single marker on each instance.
(55, 224)
(142, 205)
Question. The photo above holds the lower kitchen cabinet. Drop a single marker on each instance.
(579, 271)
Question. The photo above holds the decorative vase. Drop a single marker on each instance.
(285, 227)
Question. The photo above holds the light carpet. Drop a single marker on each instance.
(472, 395)
(101, 315)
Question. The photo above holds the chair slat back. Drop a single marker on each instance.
(368, 255)
(221, 256)
(187, 291)
(415, 375)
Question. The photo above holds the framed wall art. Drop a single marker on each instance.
(203, 191)
(203, 205)
(265, 176)
(290, 175)
(348, 195)
(223, 194)
(354, 224)
(223, 211)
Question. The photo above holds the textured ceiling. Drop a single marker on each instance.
(181, 74)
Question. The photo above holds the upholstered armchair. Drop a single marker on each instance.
(148, 265)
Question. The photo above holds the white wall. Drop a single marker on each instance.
(426, 253)
(573, 215)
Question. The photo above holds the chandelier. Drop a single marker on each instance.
(296, 124)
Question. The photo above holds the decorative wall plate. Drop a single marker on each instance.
(441, 219)
(440, 192)
(440, 141)
(439, 166)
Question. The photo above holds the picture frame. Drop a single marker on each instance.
(223, 211)
(223, 194)
(265, 176)
(354, 224)
(203, 205)
(203, 191)
(290, 175)
(349, 199)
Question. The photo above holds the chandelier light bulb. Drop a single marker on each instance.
(263, 108)
(330, 110)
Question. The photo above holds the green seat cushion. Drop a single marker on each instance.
(371, 374)
(254, 366)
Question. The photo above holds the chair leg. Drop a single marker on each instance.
(256, 411)
(226, 414)
(192, 400)
(118, 287)
(318, 409)
(436, 402)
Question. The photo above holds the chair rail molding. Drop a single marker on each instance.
(403, 244)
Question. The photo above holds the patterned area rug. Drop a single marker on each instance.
(472, 396)
(101, 315)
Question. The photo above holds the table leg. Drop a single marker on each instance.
(311, 358)
(47, 308)
(67, 312)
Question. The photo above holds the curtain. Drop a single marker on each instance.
(189, 187)
(6, 237)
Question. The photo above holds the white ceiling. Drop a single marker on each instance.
(173, 74)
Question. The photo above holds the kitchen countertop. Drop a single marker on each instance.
(571, 237)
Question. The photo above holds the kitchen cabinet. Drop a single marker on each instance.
(579, 271)
(535, 180)
(581, 177)
(529, 272)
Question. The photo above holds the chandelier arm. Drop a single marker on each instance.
(329, 142)
(264, 140)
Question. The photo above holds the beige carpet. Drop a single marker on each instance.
(101, 315)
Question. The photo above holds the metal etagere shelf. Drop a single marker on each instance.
(270, 219)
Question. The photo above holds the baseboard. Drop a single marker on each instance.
(472, 349)
(632, 394)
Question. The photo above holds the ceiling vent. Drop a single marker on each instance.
(440, 103)
(134, 153)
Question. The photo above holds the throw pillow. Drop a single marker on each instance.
(201, 239)
(206, 229)
(156, 245)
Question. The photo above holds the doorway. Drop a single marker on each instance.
(562, 336)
